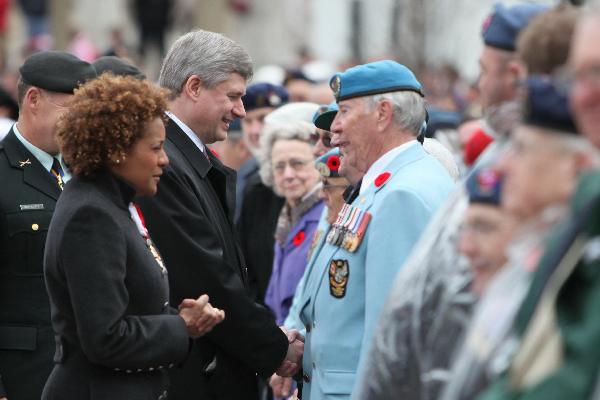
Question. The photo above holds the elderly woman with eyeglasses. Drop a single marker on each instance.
(287, 165)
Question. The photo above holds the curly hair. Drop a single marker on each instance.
(106, 116)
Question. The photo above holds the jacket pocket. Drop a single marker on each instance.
(18, 338)
(27, 233)
(337, 382)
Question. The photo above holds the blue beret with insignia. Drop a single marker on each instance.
(484, 185)
(501, 29)
(328, 164)
(260, 95)
(374, 78)
(547, 107)
(324, 116)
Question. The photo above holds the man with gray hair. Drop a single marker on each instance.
(191, 220)
(381, 112)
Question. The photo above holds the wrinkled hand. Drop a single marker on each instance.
(281, 386)
(293, 359)
(199, 316)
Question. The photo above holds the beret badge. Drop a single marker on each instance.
(336, 86)
(323, 169)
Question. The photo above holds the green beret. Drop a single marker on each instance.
(117, 66)
(56, 71)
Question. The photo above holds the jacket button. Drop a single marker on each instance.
(129, 371)
(305, 377)
(171, 365)
(35, 227)
(165, 305)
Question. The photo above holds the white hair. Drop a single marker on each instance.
(409, 108)
(443, 155)
(274, 131)
(292, 112)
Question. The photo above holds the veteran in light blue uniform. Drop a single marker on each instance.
(381, 112)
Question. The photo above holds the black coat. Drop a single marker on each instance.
(28, 196)
(117, 334)
(256, 230)
(191, 221)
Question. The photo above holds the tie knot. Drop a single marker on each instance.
(56, 167)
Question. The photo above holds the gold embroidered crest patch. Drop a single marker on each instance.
(339, 272)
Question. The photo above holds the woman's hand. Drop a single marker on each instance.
(199, 316)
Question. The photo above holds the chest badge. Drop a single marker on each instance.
(339, 272)
(24, 163)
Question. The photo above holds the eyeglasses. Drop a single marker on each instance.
(323, 136)
(294, 163)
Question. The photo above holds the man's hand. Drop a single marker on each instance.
(199, 316)
(281, 386)
(293, 359)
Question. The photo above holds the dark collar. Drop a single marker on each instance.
(115, 187)
(34, 173)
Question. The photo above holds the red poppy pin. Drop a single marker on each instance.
(299, 238)
(215, 153)
(382, 179)
(333, 163)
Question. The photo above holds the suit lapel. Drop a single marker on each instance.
(189, 150)
(34, 173)
(223, 180)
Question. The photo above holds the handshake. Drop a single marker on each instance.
(199, 316)
(281, 381)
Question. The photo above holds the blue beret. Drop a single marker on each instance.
(56, 71)
(374, 78)
(328, 164)
(324, 116)
(484, 185)
(260, 95)
(501, 29)
(546, 106)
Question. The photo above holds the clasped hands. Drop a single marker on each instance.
(281, 381)
(200, 316)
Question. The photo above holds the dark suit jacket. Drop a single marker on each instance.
(28, 195)
(191, 220)
(109, 299)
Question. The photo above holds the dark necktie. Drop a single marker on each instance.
(57, 172)
(353, 194)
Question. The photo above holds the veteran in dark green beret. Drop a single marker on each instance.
(32, 175)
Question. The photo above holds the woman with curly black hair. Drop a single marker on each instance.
(116, 333)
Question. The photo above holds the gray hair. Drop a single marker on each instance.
(297, 130)
(409, 108)
(209, 55)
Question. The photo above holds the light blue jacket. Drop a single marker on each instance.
(339, 329)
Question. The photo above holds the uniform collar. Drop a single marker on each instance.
(382, 162)
(44, 158)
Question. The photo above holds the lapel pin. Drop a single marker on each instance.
(24, 163)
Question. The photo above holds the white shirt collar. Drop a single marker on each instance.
(44, 158)
(382, 162)
(188, 131)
